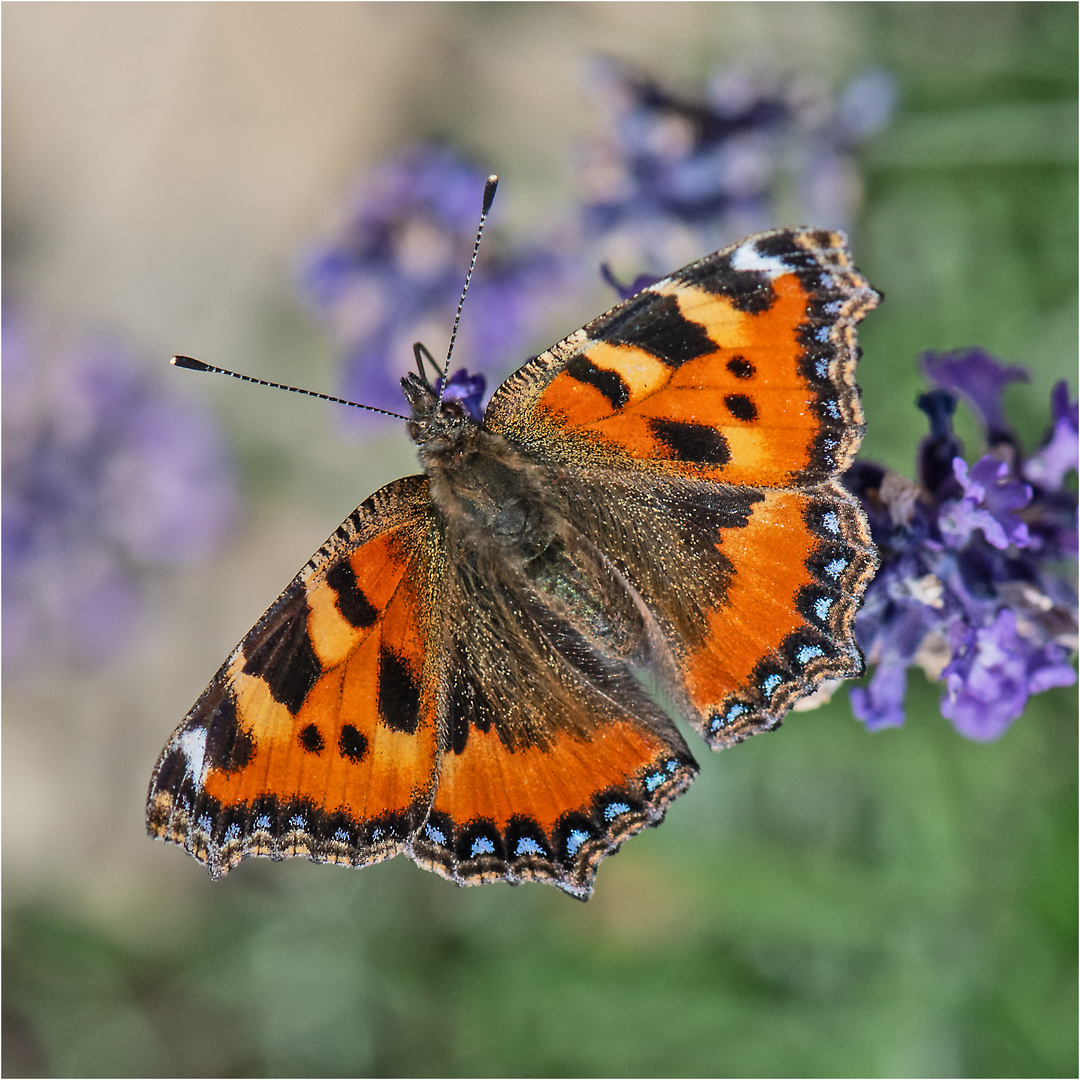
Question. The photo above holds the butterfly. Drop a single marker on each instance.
(482, 666)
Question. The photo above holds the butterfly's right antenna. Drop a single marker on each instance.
(489, 197)
(197, 365)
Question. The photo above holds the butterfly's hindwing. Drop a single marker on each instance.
(554, 752)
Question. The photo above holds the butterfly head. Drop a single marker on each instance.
(436, 425)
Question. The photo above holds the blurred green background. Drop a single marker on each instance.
(823, 901)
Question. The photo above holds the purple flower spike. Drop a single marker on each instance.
(974, 586)
(683, 173)
(393, 274)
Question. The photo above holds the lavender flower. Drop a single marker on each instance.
(394, 273)
(978, 377)
(466, 388)
(1048, 466)
(987, 504)
(973, 585)
(103, 477)
(683, 175)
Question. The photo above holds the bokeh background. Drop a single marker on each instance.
(823, 901)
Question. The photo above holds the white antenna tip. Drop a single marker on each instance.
(489, 192)
(189, 362)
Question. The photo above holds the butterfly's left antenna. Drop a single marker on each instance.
(489, 198)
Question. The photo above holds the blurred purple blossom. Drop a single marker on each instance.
(393, 274)
(682, 175)
(104, 476)
(466, 388)
(978, 582)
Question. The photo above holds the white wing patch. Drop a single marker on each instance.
(747, 257)
(192, 744)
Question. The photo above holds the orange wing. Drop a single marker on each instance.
(755, 589)
(707, 419)
(319, 735)
(738, 368)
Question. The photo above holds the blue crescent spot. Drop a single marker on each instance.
(836, 567)
(729, 718)
(482, 846)
(577, 838)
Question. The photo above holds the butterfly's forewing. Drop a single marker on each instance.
(736, 374)
(738, 368)
(319, 735)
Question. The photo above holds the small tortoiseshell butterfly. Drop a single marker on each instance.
(481, 666)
